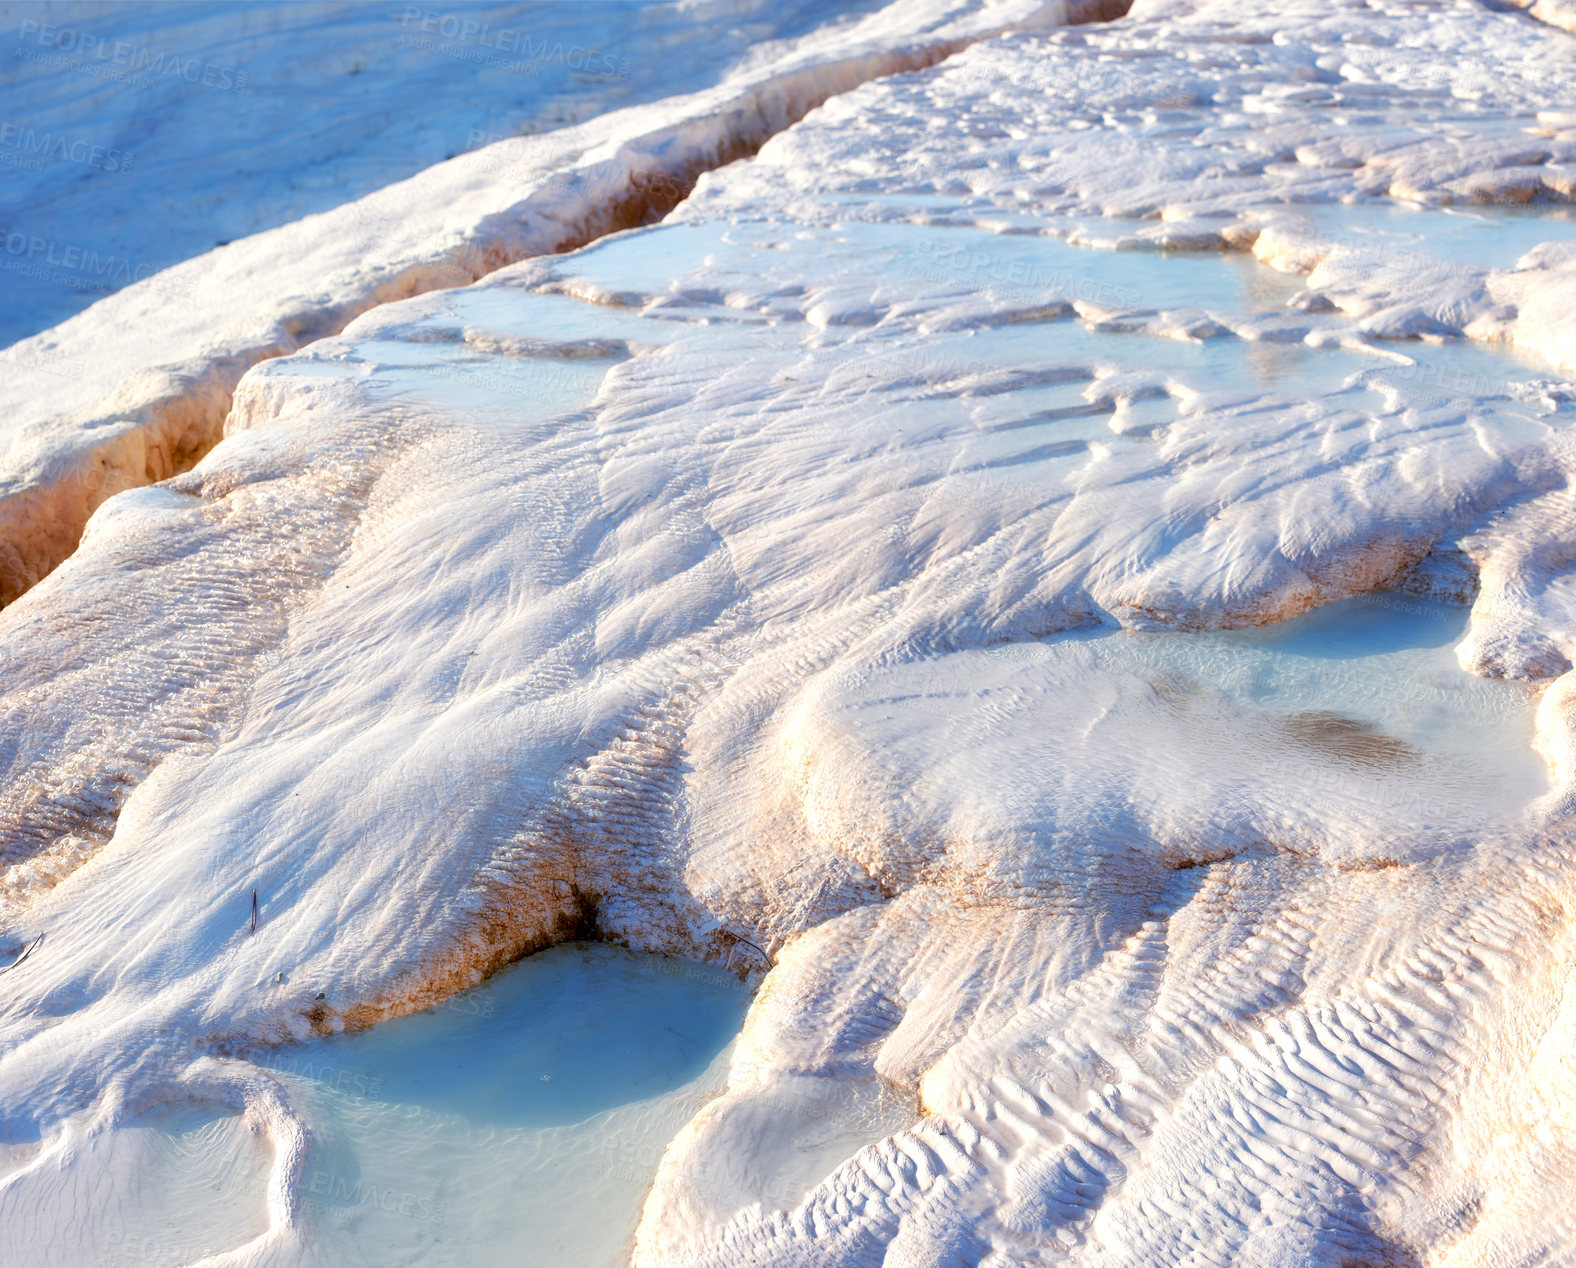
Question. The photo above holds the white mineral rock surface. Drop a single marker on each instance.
(1063, 558)
(138, 387)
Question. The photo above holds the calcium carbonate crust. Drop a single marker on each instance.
(773, 638)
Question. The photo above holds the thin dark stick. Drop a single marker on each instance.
(23, 956)
(254, 911)
(766, 960)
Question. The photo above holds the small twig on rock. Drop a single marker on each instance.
(24, 954)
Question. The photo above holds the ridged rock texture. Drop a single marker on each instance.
(888, 571)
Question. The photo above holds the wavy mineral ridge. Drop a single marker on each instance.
(907, 635)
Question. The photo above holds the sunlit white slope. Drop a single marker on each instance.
(985, 651)
(136, 387)
(144, 132)
(509, 614)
